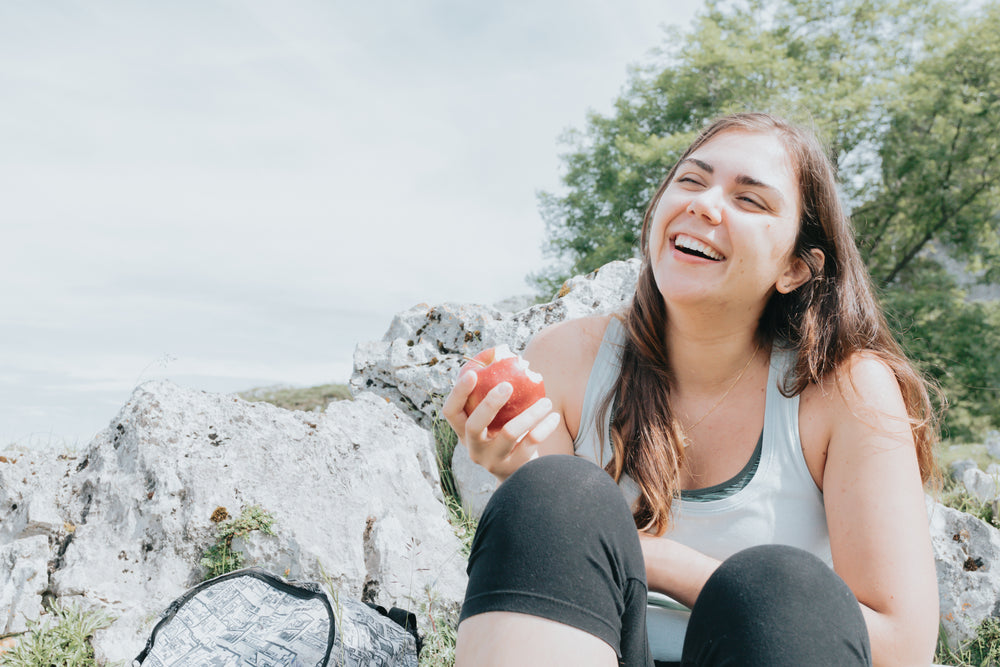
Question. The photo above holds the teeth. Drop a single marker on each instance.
(683, 241)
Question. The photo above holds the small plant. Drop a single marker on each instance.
(220, 558)
(61, 638)
(439, 641)
(983, 651)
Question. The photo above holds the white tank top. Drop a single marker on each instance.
(781, 503)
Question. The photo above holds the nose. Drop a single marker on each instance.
(707, 205)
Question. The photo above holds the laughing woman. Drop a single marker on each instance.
(761, 445)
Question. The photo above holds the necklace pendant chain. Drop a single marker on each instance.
(687, 438)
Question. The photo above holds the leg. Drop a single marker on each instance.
(556, 572)
(776, 606)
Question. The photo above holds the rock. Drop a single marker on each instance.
(352, 501)
(26, 563)
(992, 442)
(966, 554)
(957, 468)
(475, 484)
(980, 485)
(415, 363)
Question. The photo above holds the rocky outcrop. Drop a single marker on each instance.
(354, 494)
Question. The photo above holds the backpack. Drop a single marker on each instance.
(252, 617)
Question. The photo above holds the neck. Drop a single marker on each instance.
(705, 358)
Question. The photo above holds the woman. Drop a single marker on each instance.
(768, 435)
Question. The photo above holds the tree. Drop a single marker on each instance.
(904, 93)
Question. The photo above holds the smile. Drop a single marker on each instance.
(696, 248)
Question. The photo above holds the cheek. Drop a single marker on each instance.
(657, 230)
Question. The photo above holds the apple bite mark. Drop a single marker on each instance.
(494, 366)
(692, 246)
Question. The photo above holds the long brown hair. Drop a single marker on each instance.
(833, 315)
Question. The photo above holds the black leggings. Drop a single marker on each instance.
(557, 540)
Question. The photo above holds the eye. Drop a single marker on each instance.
(688, 179)
(756, 203)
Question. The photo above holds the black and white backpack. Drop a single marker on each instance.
(252, 617)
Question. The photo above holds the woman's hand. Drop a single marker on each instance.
(503, 451)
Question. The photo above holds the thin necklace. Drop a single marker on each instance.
(687, 438)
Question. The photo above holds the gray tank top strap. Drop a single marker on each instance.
(603, 375)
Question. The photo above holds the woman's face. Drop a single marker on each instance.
(724, 228)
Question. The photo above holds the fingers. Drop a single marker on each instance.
(535, 423)
(499, 451)
(454, 405)
(487, 410)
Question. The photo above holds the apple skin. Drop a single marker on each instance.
(498, 364)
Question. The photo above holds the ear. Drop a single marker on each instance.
(798, 272)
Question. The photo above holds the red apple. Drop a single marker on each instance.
(498, 364)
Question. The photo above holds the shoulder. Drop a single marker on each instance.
(569, 338)
(858, 406)
(863, 387)
(564, 354)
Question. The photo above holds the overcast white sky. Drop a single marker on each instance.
(233, 194)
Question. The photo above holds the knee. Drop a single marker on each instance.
(559, 510)
(766, 577)
(778, 600)
(551, 486)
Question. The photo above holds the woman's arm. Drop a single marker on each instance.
(877, 518)
(563, 353)
(675, 569)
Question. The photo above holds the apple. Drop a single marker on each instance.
(498, 364)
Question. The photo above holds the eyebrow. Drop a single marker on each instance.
(742, 179)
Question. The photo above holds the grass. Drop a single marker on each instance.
(60, 638)
(440, 628)
(983, 651)
(306, 399)
(949, 452)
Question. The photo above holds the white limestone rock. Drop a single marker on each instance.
(475, 484)
(346, 489)
(981, 485)
(993, 444)
(966, 554)
(957, 468)
(24, 563)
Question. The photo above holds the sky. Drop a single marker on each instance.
(233, 194)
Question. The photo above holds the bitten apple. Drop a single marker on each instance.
(498, 364)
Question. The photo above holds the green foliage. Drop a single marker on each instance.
(906, 95)
(953, 341)
(59, 639)
(220, 558)
(983, 651)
